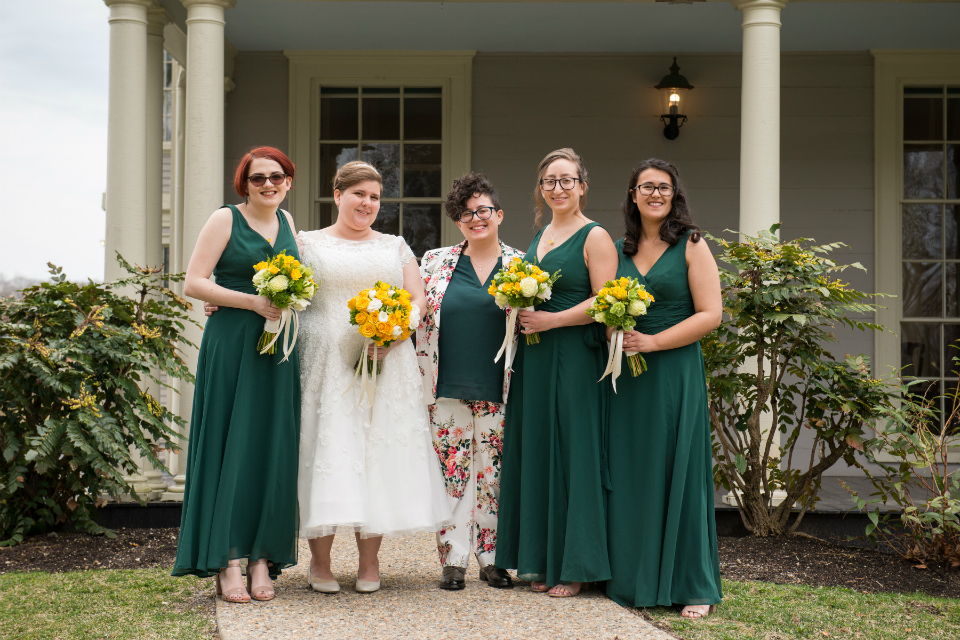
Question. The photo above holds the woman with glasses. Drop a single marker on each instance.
(241, 493)
(662, 535)
(552, 517)
(465, 387)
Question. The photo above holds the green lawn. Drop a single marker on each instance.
(783, 612)
(87, 605)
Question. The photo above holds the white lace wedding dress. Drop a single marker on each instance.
(367, 469)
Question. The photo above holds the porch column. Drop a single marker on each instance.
(760, 142)
(203, 153)
(760, 115)
(126, 135)
(153, 213)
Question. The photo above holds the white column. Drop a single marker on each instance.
(126, 135)
(203, 149)
(153, 213)
(760, 115)
(760, 142)
(176, 461)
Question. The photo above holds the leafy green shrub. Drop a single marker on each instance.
(921, 484)
(781, 302)
(74, 363)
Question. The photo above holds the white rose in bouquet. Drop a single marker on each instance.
(529, 287)
(299, 304)
(500, 299)
(397, 331)
(600, 317)
(374, 305)
(259, 279)
(279, 283)
(414, 317)
(545, 292)
(636, 308)
(383, 316)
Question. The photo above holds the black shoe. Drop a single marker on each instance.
(496, 577)
(453, 578)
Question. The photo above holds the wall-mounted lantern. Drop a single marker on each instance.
(672, 89)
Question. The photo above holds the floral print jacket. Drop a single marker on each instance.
(437, 269)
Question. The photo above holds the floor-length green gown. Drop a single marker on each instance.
(662, 532)
(240, 499)
(552, 517)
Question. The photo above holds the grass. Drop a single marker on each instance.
(783, 612)
(87, 605)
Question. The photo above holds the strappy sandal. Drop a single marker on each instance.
(584, 586)
(696, 615)
(539, 587)
(235, 596)
(263, 594)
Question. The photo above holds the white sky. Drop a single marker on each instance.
(54, 57)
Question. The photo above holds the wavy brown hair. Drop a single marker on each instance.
(466, 187)
(355, 172)
(560, 154)
(678, 220)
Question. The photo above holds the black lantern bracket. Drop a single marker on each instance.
(673, 85)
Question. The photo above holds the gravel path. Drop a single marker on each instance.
(410, 606)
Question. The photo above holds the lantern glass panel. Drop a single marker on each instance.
(672, 101)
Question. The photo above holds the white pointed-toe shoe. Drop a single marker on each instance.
(367, 586)
(323, 586)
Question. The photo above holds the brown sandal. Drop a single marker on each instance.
(697, 615)
(539, 587)
(263, 594)
(234, 596)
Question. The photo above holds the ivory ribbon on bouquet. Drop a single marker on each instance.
(368, 379)
(288, 319)
(509, 339)
(615, 361)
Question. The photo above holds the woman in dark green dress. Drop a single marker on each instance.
(662, 535)
(552, 526)
(241, 491)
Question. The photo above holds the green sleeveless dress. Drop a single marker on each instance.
(552, 499)
(663, 538)
(240, 499)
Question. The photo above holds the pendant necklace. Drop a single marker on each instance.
(260, 229)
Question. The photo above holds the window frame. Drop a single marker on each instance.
(893, 71)
(451, 71)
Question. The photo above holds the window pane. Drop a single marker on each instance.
(326, 216)
(922, 231)
(421, 227)
(951, 240)
(386, 159)
(338, 119)
(951, 407)
(953, 118)
(388, 220)
(951, 348)
(920, 349)
(953, 175)
(332, 157)
(923, 118)
(922, 171)
(422, 119)
(922, 289)
(951, 279)
(421, 170)
(339, 91)
(381, 118)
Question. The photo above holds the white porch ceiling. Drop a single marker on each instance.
(272, 25)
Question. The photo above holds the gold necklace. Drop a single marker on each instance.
(552, 236)
(479, 268)
(260, 229)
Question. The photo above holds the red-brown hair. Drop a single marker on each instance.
(243, 168)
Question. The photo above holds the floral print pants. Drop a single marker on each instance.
(468, 439)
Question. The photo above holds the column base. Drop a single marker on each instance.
(778, 498)
(171, 496)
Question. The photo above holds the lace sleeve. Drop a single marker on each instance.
(406, 255)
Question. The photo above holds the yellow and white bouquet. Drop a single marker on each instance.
(618, 303)
(383, 315)
(289, 285)
(520, 285)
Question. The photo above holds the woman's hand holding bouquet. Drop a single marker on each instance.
(617, 305)
(383, 315)
(289, 286)
(520, 285)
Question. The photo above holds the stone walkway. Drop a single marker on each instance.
(410, 606)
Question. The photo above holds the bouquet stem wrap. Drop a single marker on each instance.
(271, 332)
(368, 374)
(635, 361)
(508, 338)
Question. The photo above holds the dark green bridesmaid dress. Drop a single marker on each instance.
(240, 499)
(552, 498)
(662, 532)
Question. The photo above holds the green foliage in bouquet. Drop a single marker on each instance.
(75, 361)
(770, 376)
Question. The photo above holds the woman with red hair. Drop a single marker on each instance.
(241, 492)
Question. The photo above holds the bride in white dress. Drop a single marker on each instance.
(367, 469)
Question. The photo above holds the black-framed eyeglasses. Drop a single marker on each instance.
(549, 184)
(482, 213)
(647, 189)
(258, 179)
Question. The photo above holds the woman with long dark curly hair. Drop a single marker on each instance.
(660, 517)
